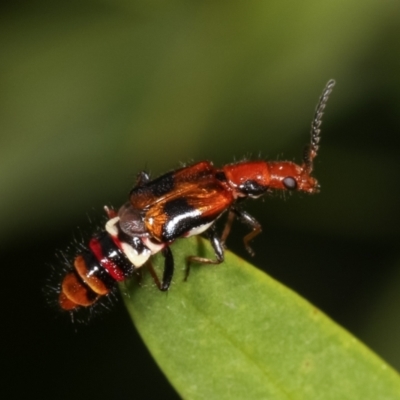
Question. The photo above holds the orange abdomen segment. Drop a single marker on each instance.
(65, 303)
(74, 293)
(96, 284)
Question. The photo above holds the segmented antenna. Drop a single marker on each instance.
(311, 150)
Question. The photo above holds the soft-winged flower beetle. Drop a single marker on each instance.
(181, 203)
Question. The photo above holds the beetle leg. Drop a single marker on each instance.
(142, 178)
(228, 226)
(168, 269)
(247, 219)
(110, 212)
(218, 247)
(153, 274)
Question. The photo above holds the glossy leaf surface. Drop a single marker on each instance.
(232, 332)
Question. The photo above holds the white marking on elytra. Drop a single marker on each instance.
(154, 247)
(198, 230)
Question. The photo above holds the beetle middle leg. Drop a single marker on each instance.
(228, 226)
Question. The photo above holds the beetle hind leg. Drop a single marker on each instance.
(169, 267)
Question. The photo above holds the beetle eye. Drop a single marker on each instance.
(290, 183)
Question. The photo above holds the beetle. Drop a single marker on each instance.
(181, 203)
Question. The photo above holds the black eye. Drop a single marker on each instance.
(290, 183)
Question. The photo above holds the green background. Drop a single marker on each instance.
(92, 92)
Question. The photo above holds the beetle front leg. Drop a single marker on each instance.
(218, 247)
(247, 219)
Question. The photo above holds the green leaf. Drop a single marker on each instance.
(232, 332)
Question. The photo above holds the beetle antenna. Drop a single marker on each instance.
(311, 150)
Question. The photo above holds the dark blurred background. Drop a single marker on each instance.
(91, 92)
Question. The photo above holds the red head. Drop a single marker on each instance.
(290, 176)
(253, 178)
